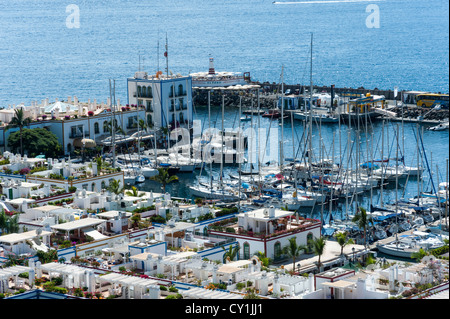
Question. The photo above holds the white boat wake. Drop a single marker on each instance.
(324, 1)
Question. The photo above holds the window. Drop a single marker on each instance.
(171, 93)
(93, 187)
(149, 91)
(309, 237)
(149, 106)
(96, 128)
(144, 91)
(69, 148)
(180, 89)
(103, 185)
(132, 122)
(181, 117)
(139, 91)
(105, 127)
(76, 131)
(277, 249)
(149, 120)
(246, 250)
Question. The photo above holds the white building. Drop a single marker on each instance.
(73, 121)
(167, 99)
(268, 230)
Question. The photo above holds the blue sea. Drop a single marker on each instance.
(47, 52)
(41, 56)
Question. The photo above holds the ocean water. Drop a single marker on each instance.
(41, 56)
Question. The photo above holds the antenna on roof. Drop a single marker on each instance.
(157, 53)
(166, 55)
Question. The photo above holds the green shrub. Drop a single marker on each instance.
(173, 289)
(240, 286)
(57, 280)
(60, 290)
(157, 219)
(230, 230)
(163, 288)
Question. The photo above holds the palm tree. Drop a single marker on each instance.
(265, 260)
(114, 186)
(19, 120)
(118, 129)
(9, 224)
(142, 124)
(343, 240)
(293, 250)
(318, 246)
(134, 192)
(13, 226)
(99, 162)
(164, 178)
(232, 253)
(362, 220)
(3, 219)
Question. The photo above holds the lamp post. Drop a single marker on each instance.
(298, 268)
(353, 250)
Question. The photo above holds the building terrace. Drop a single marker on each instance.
(263, 223)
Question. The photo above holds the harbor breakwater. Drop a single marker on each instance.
(268, 99)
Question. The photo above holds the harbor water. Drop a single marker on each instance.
(44, 54)
(433, 143)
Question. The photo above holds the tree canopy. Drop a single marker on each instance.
(36, 141)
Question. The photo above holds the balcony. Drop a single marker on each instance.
(230, 227)
(131, 125)
(78, 134)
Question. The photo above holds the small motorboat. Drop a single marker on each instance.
(272, 113)
(440, 127)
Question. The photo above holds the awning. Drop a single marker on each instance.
(339, 284)
(94, 234)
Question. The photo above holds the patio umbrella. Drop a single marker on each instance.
(85, 142)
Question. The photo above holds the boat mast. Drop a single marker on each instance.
(138, 129)
(166, 54)
(223, 134)
(113, 120)
(382, 161)
(282, 131)
(310, 108)
(240, 148)
(209, 137)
